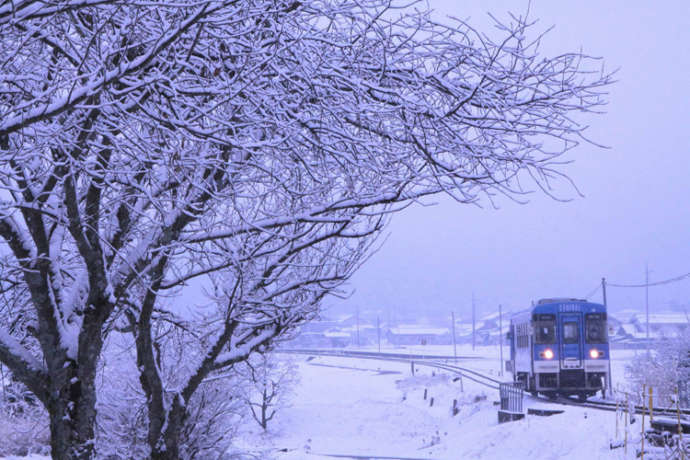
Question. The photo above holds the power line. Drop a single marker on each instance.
(594, 291)
(656, 283)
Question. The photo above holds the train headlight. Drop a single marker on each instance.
(594, 353)
(547, 354)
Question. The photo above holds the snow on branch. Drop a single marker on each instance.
(23, 364)
(255, 148)
(241, 351)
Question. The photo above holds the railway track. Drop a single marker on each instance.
(475, 376)
(375, 354)
(613, 406)
(471, 375)
(418, 359)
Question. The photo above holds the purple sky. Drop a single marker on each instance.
(636, 207)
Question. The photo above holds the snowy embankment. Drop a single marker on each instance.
(348, 407)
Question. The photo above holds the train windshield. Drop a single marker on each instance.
(570, 332)
(595, 326)
(545, 329)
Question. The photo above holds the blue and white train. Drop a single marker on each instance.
(560, 347)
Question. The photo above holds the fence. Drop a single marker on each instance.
(511, 397)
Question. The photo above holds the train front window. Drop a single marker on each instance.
(595, 327)
(545, 331)
(570, 332)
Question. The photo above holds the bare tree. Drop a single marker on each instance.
(254, 147)
(268, 383)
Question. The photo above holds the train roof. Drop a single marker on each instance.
(556, 305)
(559, 300)
(565, 305)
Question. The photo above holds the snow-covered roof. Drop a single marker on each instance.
(477, 325)
(662, 318)
(418, 330)
(343, 318)
(629, 328)
(335, 334)
(362, 327)
(495, 316)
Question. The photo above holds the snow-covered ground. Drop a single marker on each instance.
(344, 407)
(348, 407)
(29, 457)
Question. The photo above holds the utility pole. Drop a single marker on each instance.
(455, 350)
(646, 299)
(378, 332)
(357, 321)
(609, 383)
(473, 322)
(500, 336)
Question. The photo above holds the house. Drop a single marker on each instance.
(633, 333)
(418, 335)
(661, 325)
(338, 339)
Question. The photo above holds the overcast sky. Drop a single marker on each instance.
(636, 207)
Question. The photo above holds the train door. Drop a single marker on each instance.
(571, 342)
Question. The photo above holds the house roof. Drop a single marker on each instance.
(662, 318)
(418, 330)
(335, 335)
(629, 328)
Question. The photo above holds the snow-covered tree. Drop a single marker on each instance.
(213, 413)
(254, 147)
(269, 383)
(665, 368)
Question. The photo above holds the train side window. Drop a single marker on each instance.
(595, 328)
(522, 339)
(545, 331)
(570, 332)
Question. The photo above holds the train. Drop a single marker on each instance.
(559, 347)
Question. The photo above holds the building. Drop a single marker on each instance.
(661, 325)
(418, 335)
(633, 333)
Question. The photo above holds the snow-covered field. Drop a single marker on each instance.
(359, 408)
(345, 407)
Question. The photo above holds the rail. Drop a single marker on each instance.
(360, 353)
(418, 359)
(612, 406)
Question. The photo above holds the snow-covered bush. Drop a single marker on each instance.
(666, 368)
(24, 422)
(123, 420)
(24, 425)
(214, 410)
(213, 415)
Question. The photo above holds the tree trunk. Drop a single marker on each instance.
(69, 439)
(72, 410)
(167, 446)
(264, 404)
(72, 399)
